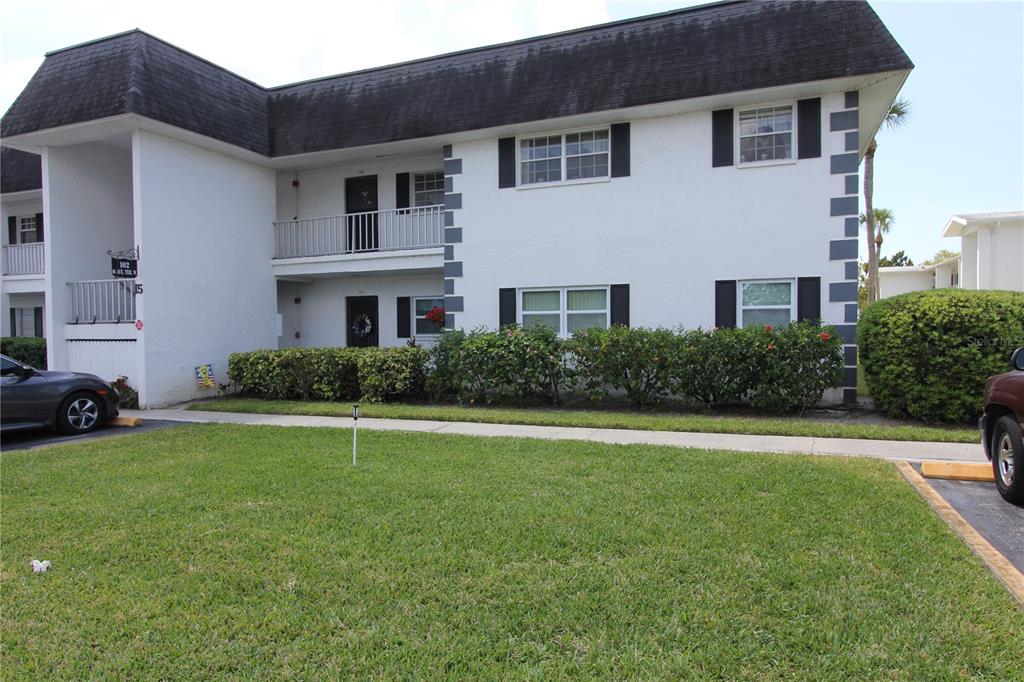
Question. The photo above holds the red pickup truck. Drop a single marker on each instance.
(1001, 427)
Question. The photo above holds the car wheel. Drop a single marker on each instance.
(1008, 460)
(79, 413)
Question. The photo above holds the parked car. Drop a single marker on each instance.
(1001, 427)
(70, 401)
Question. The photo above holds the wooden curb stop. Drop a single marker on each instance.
(996, 562)
(125, 421)
(958, 471)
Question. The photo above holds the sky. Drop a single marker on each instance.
(961, 150)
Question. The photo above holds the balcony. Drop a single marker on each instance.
(102, 301)
(23, 259)
(400, 229)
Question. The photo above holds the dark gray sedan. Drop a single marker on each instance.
(71, 401)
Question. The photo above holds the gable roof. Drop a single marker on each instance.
(712, 49)
(19, 171)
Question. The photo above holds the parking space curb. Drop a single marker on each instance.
(996, 562)
(958, 471)
(125, 421)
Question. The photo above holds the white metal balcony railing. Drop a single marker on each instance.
(23, 259)
(391, 230)
(102, 301)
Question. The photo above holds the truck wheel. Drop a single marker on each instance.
(1008, 460)
(79, 413)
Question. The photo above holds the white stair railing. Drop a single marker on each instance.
(102, 301)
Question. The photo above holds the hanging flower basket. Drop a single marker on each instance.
(362, 326)
(435, 316)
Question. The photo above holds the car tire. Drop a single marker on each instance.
(80, 413)
(1008, 459)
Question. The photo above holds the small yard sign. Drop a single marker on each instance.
(204, 377)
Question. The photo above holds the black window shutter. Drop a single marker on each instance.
(404, 316)
(37, 314)
(14, 322)
(506, 307)
(12, 230)
(725, 303)
(808, 128)
(507, 162)
(401, 190)
(808, 298)
(721, 138)
(620, 150)
(620, 304)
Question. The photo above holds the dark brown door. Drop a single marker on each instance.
(360, 208)
(363, 323)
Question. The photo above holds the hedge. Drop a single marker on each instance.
(927, 354)
(30, 350)
(375, 374)
(783, 369)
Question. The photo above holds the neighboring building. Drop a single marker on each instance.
(696, 167)
(991, 257)
(21, 205)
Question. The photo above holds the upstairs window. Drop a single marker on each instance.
(565, 310)
(578, 155)
(27, 233)
(766, 134)
(766, 302)
(428, 188)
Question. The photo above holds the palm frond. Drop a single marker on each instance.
(898, 113)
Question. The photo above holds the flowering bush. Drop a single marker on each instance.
(511, 363)
(128, 397)
(795, 365)
(636, 361)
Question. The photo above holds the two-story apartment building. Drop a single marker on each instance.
(21, 211)
(697, 167)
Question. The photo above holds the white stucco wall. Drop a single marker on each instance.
(1006, 262)
(670, 229)
(321, 192)
(321, 319)
(204, 226)
(894, 283)
(87, 204)
(969, 261)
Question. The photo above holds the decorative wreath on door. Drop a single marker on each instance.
(362, 325)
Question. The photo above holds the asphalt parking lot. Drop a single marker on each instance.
(998, 521)
(26, 440)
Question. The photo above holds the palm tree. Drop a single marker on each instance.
(882, 221)
(894, 118)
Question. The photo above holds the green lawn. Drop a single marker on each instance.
(851, 427)
(213, 551)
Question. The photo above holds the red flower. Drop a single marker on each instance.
(435, 315)
(771, 346)
(767, 327)
(824, 336)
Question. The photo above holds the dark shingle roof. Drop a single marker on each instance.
(724, 47)
(19, 171)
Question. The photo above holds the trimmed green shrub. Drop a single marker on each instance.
(634, 360)
(442, 379)
(795, 365)
(27, 349)
(388, 373)
(714, 367)
(512, 362)
(304, 373)
(927, 354)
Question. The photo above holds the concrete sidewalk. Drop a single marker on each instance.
(884, 449)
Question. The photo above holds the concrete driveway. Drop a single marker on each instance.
(40, 438)
(998, 521)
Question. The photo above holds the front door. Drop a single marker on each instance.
(363, 327)
(360, 209)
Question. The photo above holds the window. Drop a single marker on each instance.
(766, 134)
(422, 306)
(573, 156)
(428, 188)
(27, 321)
(565, 310)
(27, 230)
(766, 302)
